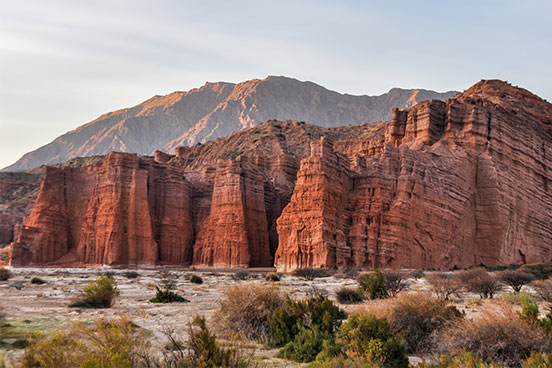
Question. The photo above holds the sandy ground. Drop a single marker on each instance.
(30, 307)
(44, 307)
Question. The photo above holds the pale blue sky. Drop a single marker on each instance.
(65, 62)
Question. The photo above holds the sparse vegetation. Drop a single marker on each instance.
(104, 344)
(497, 335)
(311, 273)
(544, 289)
(457, 359)
(241, 275)
(100, 293)
(481, 282)
(37, 281)
(273, 276)
(373, 285)
(196, 279)
(416, 317)
(248, 309)
(167, 296)
(539, 270)
(444, 285)
(5, 274)
(131, 274)
(347, 295)
(395, 281)
(516, 278)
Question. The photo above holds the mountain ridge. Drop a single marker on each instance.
(184, 118)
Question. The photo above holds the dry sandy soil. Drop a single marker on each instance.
(30, 307)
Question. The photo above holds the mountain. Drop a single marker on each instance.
(443, 184)
(214, 111)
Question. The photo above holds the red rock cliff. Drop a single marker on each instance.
(442, 184)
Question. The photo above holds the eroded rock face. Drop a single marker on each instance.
(442, 184)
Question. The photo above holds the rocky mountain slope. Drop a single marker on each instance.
(214, 111)
(442, 184)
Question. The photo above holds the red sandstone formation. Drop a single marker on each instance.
(442, 184)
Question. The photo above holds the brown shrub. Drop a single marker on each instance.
(497, 334)
(544, 289)
(416, 317)
(247, 309)
(481, 282)
(395, 281)
(516, 278)
(444, 285)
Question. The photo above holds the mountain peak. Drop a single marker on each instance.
(215, 110)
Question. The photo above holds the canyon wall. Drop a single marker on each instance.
(443, 184)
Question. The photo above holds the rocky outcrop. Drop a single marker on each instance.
(443, 184)
(443, 189)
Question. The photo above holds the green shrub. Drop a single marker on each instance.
(100, 293)
(317, 312)
(195, 279)
(457, 359)
(167, 296)
(515, 298)
(306, 345)
(273, 276)
(370, 339)
(530, 314)
(204, 352)
(5, 274)
(37, 281)
(347, 295)
(248, 309)
(112, 344)
(373, 285)
(537, 361)
(311, 273)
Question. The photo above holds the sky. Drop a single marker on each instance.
(65, 62)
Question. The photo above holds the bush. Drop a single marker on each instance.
(516, 278)
(530, 314)
(5, 274)
(168, 280)
(544, 289)
(395, 281)
(496, 334)
(315, 313)
(203, 350)
(347, 295)
(274, 277)
(417, 317)
(481, 282)
(100, 293)
(373, 285)
(306, 345)
(537, 361)
(241, 275)
(131, 274)
(457, 359)
(104, 344)
(370, 339)
(516, 298)
(444, 285)
(248, 309)
(195, 279)
(37, 281)
(311, 273)
(416, 274)
(539, 270)
(167, 296)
